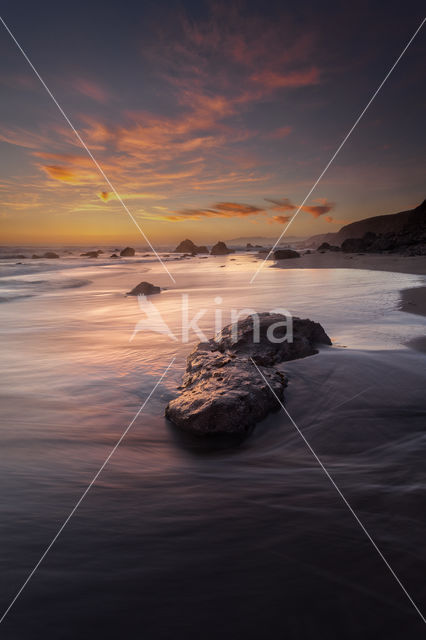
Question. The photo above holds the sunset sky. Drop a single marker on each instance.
(212, 120)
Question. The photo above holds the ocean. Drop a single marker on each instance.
(193, 538)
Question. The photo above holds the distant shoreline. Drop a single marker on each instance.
(372, 261)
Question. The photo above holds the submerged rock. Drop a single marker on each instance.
(284, 254)
(127, 252)
(222, 391)
(145, 289)
(90, 254)
(50, 255)
(220, 249)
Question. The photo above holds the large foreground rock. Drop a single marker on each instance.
(222, 391)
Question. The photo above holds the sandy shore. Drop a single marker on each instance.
(374, 262)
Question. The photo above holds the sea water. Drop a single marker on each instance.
(181, 537)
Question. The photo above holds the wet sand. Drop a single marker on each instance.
(414, 301)
(374, 262)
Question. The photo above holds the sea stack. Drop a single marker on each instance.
(187, 246)
(220, 249)
(127, 252)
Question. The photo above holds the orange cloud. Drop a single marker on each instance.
(280, 219)
(284, 204)
(237, 209)
(320, 209)
(105, 195)
(219, 210)
(91, 89)
(274, 80)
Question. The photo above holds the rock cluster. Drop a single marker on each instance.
(187, 246)
(222, 391)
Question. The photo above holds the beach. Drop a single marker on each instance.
(192, 537)
(373, 262)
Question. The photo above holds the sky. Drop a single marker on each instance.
(212, 120)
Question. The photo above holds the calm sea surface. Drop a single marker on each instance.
(183, 538)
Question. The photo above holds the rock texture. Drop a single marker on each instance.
(220, 249)
(50, 255)
(187, 246)
(284, 254)
(222, 392)
(127, 252)
(144, 288)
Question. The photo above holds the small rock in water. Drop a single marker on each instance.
(145, 289)
(284, 254)
(90, 254)
(50, 255)
(127, 252)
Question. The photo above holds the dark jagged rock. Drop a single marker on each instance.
(127, 252)
(220, 249)
(249, 245)
(35, 256)
(245, 339)
(187, 246)
(113, 255)
(144, 288)
(326, 246)
(50, 255)
(284, 254)
(223, 392)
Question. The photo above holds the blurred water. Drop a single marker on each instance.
(182, 539)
